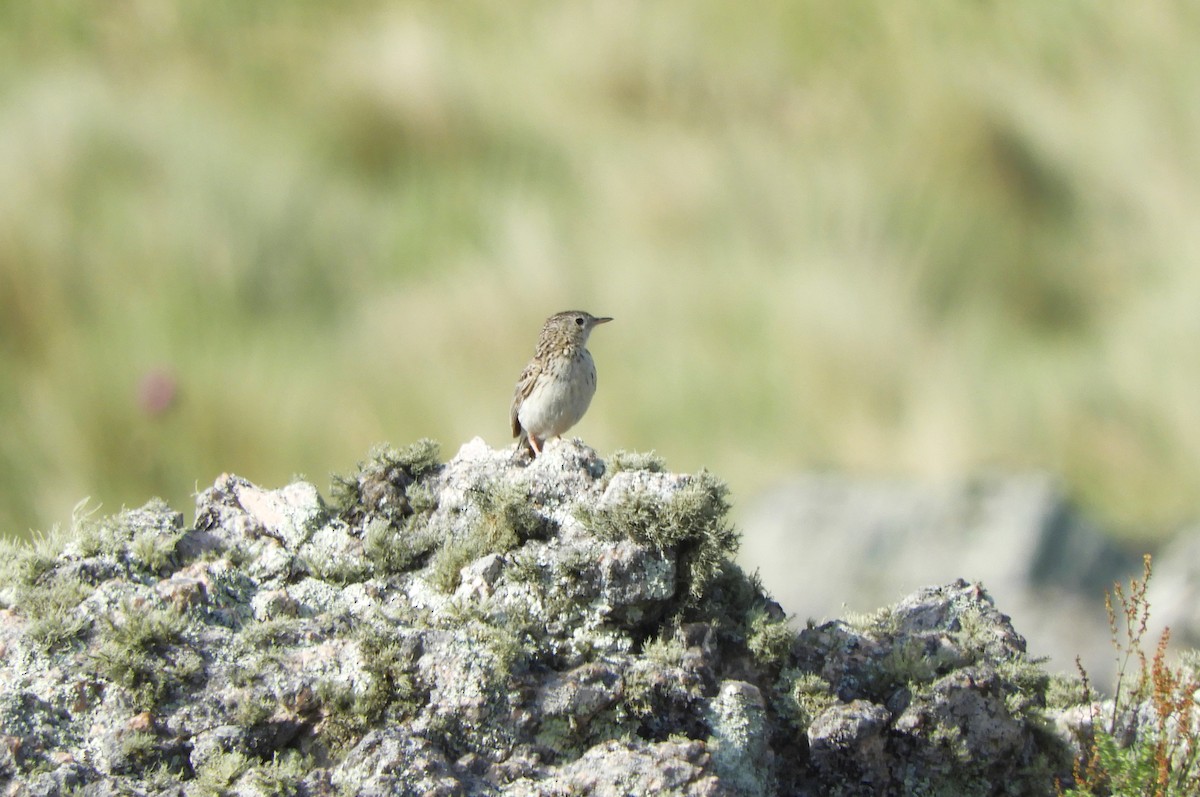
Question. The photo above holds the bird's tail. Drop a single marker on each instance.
(523, 444)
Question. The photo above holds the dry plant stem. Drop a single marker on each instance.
(1135, 610)
(1158, 759)
(1173, 702)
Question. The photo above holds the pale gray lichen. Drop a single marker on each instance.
(490, 626)
(740, 741)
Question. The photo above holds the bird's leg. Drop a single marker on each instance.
(533, 443)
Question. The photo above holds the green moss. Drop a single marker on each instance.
(390, 691)
(950, 737)
(387, 499)
(561, 735)
(658, 697)
(881, 622)
(1028, 683)
(83, 520)
(144, 539)
(342, 724)
(691, 523)
(390, 663)
(448, 562)
(664, 652)
(621, 460)
(96, 538)
(507, 645)
(140, 748)
(281, 777)
(648, 686)
(52, 610)
(422, 498)
(46, 596)
(271, 633)
(380, 485)
(769, 640)
(506, 519)
(153, 550)
(696, 518)
(420, 459)
(509, 517)
(512, 638)
(140, 650)
(249, 676)
(254, 708)
(733, 602)
(912, 661)
(799, 697)
(635, 518)
(22, 564)
(337, 567)
(394, 550)
(975, 633)
(162, 777)
(524, 568)
(220, 771)
(1064, 691)
(638, 695)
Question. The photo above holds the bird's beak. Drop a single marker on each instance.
(603, 320)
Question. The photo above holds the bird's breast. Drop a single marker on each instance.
(560, 397)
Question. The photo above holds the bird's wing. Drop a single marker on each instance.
(524, 387)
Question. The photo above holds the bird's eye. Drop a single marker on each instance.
(578, 320)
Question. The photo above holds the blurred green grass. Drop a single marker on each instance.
(901, 237)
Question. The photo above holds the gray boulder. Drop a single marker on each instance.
(488, 626)
(826, 544)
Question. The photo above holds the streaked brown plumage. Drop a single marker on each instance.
(557, 385)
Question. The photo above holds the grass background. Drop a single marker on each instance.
(917, 237)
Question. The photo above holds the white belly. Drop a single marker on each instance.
(555, 405)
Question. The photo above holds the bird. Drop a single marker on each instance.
(557, 385)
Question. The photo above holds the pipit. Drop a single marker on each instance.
(557, 386)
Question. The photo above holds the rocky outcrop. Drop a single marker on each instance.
(490, 626)
(1018, 534)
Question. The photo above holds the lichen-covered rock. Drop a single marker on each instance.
(618, 769)
(848, 739)
(740, 742)
(1019, 533)
(486, 626)
(935, 691)
(390, 762)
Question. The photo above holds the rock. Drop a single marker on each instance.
(391, 763)
(477, 578)
(489, 626)
(847, 740)
(579, 694)
(619, 769)
(935, 691)
(739, 746)
(1019, 535)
